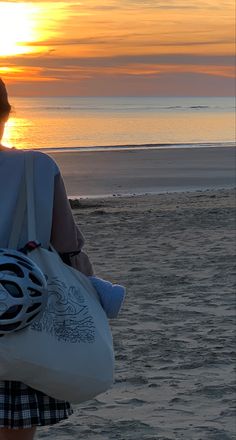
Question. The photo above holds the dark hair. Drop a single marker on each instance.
(5, 107)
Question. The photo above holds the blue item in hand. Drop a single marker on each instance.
(111, 296)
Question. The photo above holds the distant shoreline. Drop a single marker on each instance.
(155, 146)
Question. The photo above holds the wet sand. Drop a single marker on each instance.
(146, 171)
(174, 339)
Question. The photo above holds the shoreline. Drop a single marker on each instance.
(139, 147)
(205, 191)
(82, 205)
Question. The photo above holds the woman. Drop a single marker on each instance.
(22, 408)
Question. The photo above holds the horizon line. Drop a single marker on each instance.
(123, 96)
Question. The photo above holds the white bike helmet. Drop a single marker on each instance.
(23, 291)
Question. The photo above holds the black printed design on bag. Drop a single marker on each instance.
(66, 316)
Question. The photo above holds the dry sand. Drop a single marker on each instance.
(174, 339)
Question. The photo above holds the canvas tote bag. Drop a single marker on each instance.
(68, 352)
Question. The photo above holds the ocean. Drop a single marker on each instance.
(120, 122)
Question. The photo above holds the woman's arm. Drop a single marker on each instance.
(66, 236)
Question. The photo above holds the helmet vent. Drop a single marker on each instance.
(9, 327)
(11, 269)
(12, 288)
(35, 279)
(35, 293)
(24, 264)
(21, 258)
(31, 318)
(11, 313)
(33, 307)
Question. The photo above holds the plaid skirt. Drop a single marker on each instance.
(24, 407)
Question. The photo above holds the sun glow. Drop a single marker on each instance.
(54, 47)
(18, 28)
(15, 132)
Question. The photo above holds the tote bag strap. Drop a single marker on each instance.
(32, 230)
(19, 214)
(31, 215)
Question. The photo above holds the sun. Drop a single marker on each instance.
(18, 28)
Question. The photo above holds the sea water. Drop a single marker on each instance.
(76, 122)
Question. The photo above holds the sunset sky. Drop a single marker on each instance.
(118, 47)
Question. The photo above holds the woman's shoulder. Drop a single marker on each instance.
(39, 155)
(43, 159)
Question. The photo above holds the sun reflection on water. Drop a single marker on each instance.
(17, 130)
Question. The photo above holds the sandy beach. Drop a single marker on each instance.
(174, 338)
